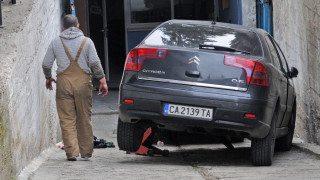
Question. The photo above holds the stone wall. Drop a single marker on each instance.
(28, 118)
(297, 30)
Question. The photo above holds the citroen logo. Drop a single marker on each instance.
(194, 59)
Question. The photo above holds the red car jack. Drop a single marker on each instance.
(150, 136)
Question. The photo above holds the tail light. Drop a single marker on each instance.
(129, 101)
(260, 75)
(249, 115)
(137, 56)
(256, 72)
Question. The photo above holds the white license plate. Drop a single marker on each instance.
(188, 111)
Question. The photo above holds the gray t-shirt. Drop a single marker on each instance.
(72, 37)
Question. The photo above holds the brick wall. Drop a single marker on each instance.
(28, 118)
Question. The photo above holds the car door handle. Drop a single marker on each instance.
(194, 74)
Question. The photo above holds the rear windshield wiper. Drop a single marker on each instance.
(221, 48)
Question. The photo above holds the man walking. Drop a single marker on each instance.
(77, 59)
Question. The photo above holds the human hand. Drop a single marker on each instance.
(49, 84)
(103, 88)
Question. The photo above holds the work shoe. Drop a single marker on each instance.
(71, 158)
(85, 158)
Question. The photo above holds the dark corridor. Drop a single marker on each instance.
(107, 30)
(116, 40)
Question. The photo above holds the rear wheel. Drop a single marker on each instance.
(165, 153)
(262, 150)
(129, 136)
(150, 152)
(285, 143)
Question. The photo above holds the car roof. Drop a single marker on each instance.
(217, 24)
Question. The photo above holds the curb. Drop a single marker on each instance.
(308, 148)
(36, 163)
(105, 113)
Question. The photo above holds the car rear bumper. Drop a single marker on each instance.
(228, 113)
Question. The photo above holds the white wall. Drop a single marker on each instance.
(28, 115)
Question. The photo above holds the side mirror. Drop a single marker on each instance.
(294, 72)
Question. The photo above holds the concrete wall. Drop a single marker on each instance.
(249, 13)
(7, 1)
(29, 122)
(297, 30)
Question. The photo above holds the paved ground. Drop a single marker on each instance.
(204, 161)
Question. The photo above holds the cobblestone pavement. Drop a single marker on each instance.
(201, 161)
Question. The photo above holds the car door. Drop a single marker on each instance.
(290, 87)
(281, 79)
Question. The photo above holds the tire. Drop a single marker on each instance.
(150, 152)
(129, 136)
(262, 150)
(285, 143)
(165, 153)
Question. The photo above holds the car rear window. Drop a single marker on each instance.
(192, 35)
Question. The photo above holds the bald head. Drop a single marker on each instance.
(70, 20)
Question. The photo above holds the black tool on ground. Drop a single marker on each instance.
(150, 137)
(101, 143)
(227, 142)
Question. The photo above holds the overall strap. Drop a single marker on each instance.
(79, 51)
(66, 50)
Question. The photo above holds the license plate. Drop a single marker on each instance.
(188, 111)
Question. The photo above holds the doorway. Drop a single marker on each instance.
(265, 15)
(107, 31)
(116, 41)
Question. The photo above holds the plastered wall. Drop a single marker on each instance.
(28, 117)
(296, 26)
(249, 13)
(297, 30)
